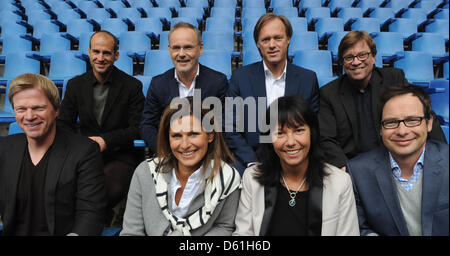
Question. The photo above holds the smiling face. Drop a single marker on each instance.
(359, 71)
(273, 43)
(35, 114)
(101, 54)
(405, 142)
(184, 49)
(188, 142)
(292, 145)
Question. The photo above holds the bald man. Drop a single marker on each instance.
(108, 103)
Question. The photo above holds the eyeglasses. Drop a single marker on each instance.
(188, 48)
(361, 56)
(408, 122)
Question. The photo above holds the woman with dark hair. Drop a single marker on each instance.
(189, 188)
(292, 191)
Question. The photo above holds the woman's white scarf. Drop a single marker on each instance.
(222, 185)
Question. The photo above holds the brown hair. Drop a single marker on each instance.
(268, 17)
(352, 38)
(217, 149)
(28, 80)
(398, 90)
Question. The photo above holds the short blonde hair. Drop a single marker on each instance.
(28, 80)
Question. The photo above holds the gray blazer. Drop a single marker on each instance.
(143, 216)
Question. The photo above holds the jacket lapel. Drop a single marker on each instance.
(291, 81)
(387, 187)
(270, 198)
(13, 169)
(314, 211)
(258, 81)
(59, 152)
(347, 99)
(432, 179)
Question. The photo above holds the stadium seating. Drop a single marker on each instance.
(157, 62)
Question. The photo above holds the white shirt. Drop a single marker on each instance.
(182, 88)
(191, 188)
(275, 87)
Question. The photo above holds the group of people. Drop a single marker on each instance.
(364, 155)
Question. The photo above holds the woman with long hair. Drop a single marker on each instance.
(190, 187)
(292, 191)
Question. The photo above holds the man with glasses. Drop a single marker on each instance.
(349, 105)
(401, 188)
(185, 47)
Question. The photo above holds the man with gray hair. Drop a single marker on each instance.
(185, 47)
(51, 180)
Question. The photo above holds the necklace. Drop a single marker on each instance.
(293, 194)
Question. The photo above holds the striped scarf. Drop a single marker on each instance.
(222, 185)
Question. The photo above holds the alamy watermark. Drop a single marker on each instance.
(228, 116)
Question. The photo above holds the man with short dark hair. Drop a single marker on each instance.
(185, 47)
(270, 78)
(401, 187)
(51, 180)
(349, 105)
(108, 103)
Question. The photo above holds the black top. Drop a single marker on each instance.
(30, 207)
(287, 220)
(367, 135)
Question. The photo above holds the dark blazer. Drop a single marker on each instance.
(377, 202)
(163, 88)
(121, 116)
(338, 115)
(75, 197)
(249, 81)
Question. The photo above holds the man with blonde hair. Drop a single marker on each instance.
(51, 180)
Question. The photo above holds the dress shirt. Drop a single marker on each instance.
(275, 87)
(417, 171)
(191, 188)
(183, 89)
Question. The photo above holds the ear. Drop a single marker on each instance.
(210, 137)
(430, 124)
(201, 48)
(116, 56)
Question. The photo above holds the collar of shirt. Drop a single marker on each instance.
(190, 190)
(275, 87)
(184, 91)
(94, 81)
(417, 171)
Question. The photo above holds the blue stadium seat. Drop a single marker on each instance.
(369, 5)
(44, 26)
(168, 3)
(190, 20)
(142, 4)
(432, 43)
(53, 42)
(333, 43)
(64, 16)
(157, 62)
(151, 26)
(398, 5)
(404, 26)
(164, 14)
(17, 63)
(219, 60)
(114, 6)
(325, 26)
(7, 114)
(252, 12)
(220, 24)
(388, 44)
(440, 101)
(415, 13)
(248, 24)
(349, 15)
(65, 65)
(84, 40)
(115, 26)
(250, 56)
(253, 4)
(85, 6)
(218, 40)
(439, 26)
(129, 15)
(384, 15)
(98, 15)
(286, 11)
(225, 3)
(14, 128)
(317, 60)
(427, 6)
(134, 43)
(445, 130)
(76, 26)
(125, 63)
(111, 231)
(303, 41)
(197, 3)
(312, 14)
(164, 40)
(370, 25)
(418, 67)
(145, 80)
(194, 12)
(309, 4)
(15, 43)
(11, 27)
(37, 15)
(282, 3)
(336, 5)
(442, 14)
(446, 71)
(248, 43)
(229, 12)
(299, 24)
